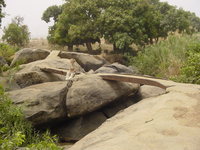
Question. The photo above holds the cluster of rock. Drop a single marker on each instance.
(159, 119)
(72, 108)
(167, 122)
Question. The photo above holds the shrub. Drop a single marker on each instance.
(190, 71)
(194, 47)
(15, 131)
(165, 58)
(6, 51)
(16, 33)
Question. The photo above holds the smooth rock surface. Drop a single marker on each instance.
(31, 74)
(167, 122)
(86, 61)
(90, 92)
(42, 103)
(28, 55)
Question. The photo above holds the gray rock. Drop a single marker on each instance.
(117, 106)
(167, 122)
(116, 68)
(67, 146)
(90, 92)
(86, 61)
(77, 128)
(31, 74)
(147, 91)
(28, 55)
(42, 103)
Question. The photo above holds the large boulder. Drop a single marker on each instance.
(42, 103)
(117, 69)
(166, 122)
(147, 91)
(28, 55)
(30, 74)
(75, 129)
(2, 62)
(90, 92)
(86, 61)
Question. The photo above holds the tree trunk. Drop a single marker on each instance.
(157, 39)
(151, 40)
(89, 46)
(70, 48)
(115, 47)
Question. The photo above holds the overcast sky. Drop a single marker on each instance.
(32, 11)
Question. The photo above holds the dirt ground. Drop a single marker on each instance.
(43, 44)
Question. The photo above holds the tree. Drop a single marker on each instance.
(76, 25)
(121, 22)
(16, 33)
(2, 4)
(52, 12)
(116, 22)
(195, 23)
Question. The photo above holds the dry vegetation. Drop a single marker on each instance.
(43, 44)
(104, 49)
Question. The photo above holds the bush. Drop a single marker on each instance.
(165, 58)
(15, 131)
(16, 33)
(7, 51)
(194, 47)
(190, 71)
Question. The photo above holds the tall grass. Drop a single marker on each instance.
(7, 51)
(16, 132)
(165, 58)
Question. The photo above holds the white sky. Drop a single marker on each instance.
(190, 5)
(32, 11)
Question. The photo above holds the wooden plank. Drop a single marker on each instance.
(116, 77)
(133, 79)
(53, 54)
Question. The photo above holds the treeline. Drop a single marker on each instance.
(120, 22)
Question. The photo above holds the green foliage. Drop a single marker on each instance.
(2, 4)
(12, 126)
(16, 33)
(116, 23)
(190, 71)
(195, 22)
(52, 12)
(120, 22)
(6, 51)
(15, 131)
(165, 58)
(48, 143)
(194, 47)
(76, 24)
